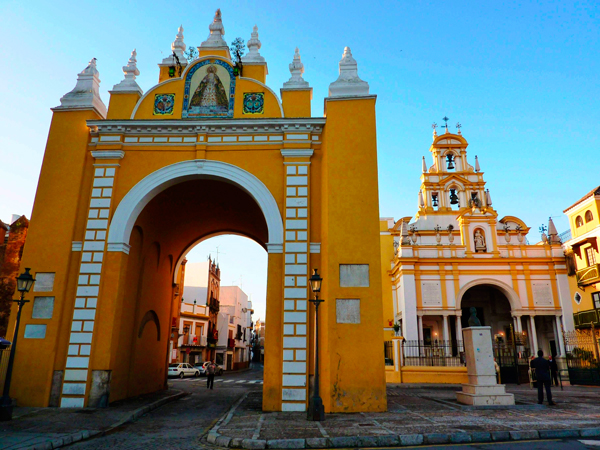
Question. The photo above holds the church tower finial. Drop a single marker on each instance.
(296, 69)
(217, 31)
(477, 168)
(348, 83)
(178, 48)
(130, 71)
(424, 166)
(254, 46)
(86, 91)
(421, 202)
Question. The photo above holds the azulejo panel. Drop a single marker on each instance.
(254, 103)
(209, 90)
(163, 104)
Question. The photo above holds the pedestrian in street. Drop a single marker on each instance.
(210, 375)
(553, 370)
(497, 369)
(542, 373)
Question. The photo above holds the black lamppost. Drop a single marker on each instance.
(24, 283)
(315, 404)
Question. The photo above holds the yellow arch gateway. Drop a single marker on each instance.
(124, 192)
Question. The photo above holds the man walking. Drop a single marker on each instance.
(542, 374)
(210, 375)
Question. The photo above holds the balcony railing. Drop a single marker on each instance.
(589, 275)
(195, 341)
(433, 353)
(583, 319)
(231, 343)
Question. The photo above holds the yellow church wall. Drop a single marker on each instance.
(257, 72)
(387, 256)
(121, 105)
(296, 102)
(352, 385)
(272, 106)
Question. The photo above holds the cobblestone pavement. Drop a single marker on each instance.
(421, 410)
(181, 425)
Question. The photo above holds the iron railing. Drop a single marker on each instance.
(388, 352)
(435, 353)
(584, 319)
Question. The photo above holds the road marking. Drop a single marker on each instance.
(592, 443)
(228, 381)
(241, 381)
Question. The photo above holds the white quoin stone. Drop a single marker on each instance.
(130, 71)
(477, 168)
(217, 31)
(254, 46)
(424, 165)
(348, 83)
(178, 47)
(296, 69)
(86, 91)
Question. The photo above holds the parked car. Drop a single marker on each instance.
(202, 368)
(182, 370)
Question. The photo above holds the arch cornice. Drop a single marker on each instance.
(509, 292)
(149, 187)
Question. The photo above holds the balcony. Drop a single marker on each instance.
(194, 341)
(589, 275)
(583, 319)
(230, 343)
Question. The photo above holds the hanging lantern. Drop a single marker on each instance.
(171, 71)
(453, 197)
(450, 161)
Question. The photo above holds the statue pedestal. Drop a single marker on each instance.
(482, 389)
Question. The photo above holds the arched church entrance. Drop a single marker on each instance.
(511, 349)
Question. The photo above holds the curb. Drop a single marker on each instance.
(403, 440)
(87, 434)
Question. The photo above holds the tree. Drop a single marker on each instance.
(237, 51)
(191, 54)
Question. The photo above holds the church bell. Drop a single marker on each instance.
(450, 161)
(453, 197)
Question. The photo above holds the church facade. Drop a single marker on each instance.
(456, 254)
(126, 191)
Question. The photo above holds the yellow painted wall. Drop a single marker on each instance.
(121, 105)
(296, 102)
(387, 257)
(441, 375)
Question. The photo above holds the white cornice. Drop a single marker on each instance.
(306, 152)
(108, 154)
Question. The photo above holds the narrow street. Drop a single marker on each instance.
(180, 425)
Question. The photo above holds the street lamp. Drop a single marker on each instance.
(24, 283)
(316, 411)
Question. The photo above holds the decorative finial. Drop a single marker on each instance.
(543, 230)
(86, 91)
(488, 198)
(130, 71)
(177, 48)
(217, 31)
(421, 202)
(552, 233)
(477, 168)
(445, 119)
(254, 46)
(424, 165)
(348, 83)
(458, 127)
(434, 126)
(296, 69)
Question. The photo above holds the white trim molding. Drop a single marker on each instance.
(108, 154)
(76, 246)
(274, 248)
(315, 247)
(307, 152)
(140, 195)
(119, 247)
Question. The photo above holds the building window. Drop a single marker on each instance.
(596, 299)
(578, 222)
(588, 216)
(591, 256)
(577, 298)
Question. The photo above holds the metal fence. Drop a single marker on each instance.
(3, 366)
(388, 352)
(583, 359)
(434, 353)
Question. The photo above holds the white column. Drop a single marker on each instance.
(459, 334)
(446, 335)
(559, 336)
(420, 327)
(534, 335)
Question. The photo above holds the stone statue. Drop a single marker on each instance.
(474, 320)
(480, 242)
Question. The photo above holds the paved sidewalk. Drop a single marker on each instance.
(417, 414)
(48, 428)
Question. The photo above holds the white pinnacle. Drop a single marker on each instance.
(421, 202)
(424, 166)
(348, 83)
(254, 46)
(86, 93)
(488, 198)
(217, 31)
(178, 47)
(296, 69)
(130, 71)
(477, 168)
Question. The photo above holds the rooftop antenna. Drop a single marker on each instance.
(223, 253)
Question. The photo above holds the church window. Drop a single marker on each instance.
(578, 222)
(588, 216)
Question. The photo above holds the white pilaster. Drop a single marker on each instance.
(534, 340)
(446, 334)
(559, 336)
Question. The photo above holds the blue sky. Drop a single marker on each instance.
(521, 78)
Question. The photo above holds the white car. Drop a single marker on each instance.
(182, 370)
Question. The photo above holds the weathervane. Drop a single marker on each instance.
(445, 119)
(543, 229)
(458, 127)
